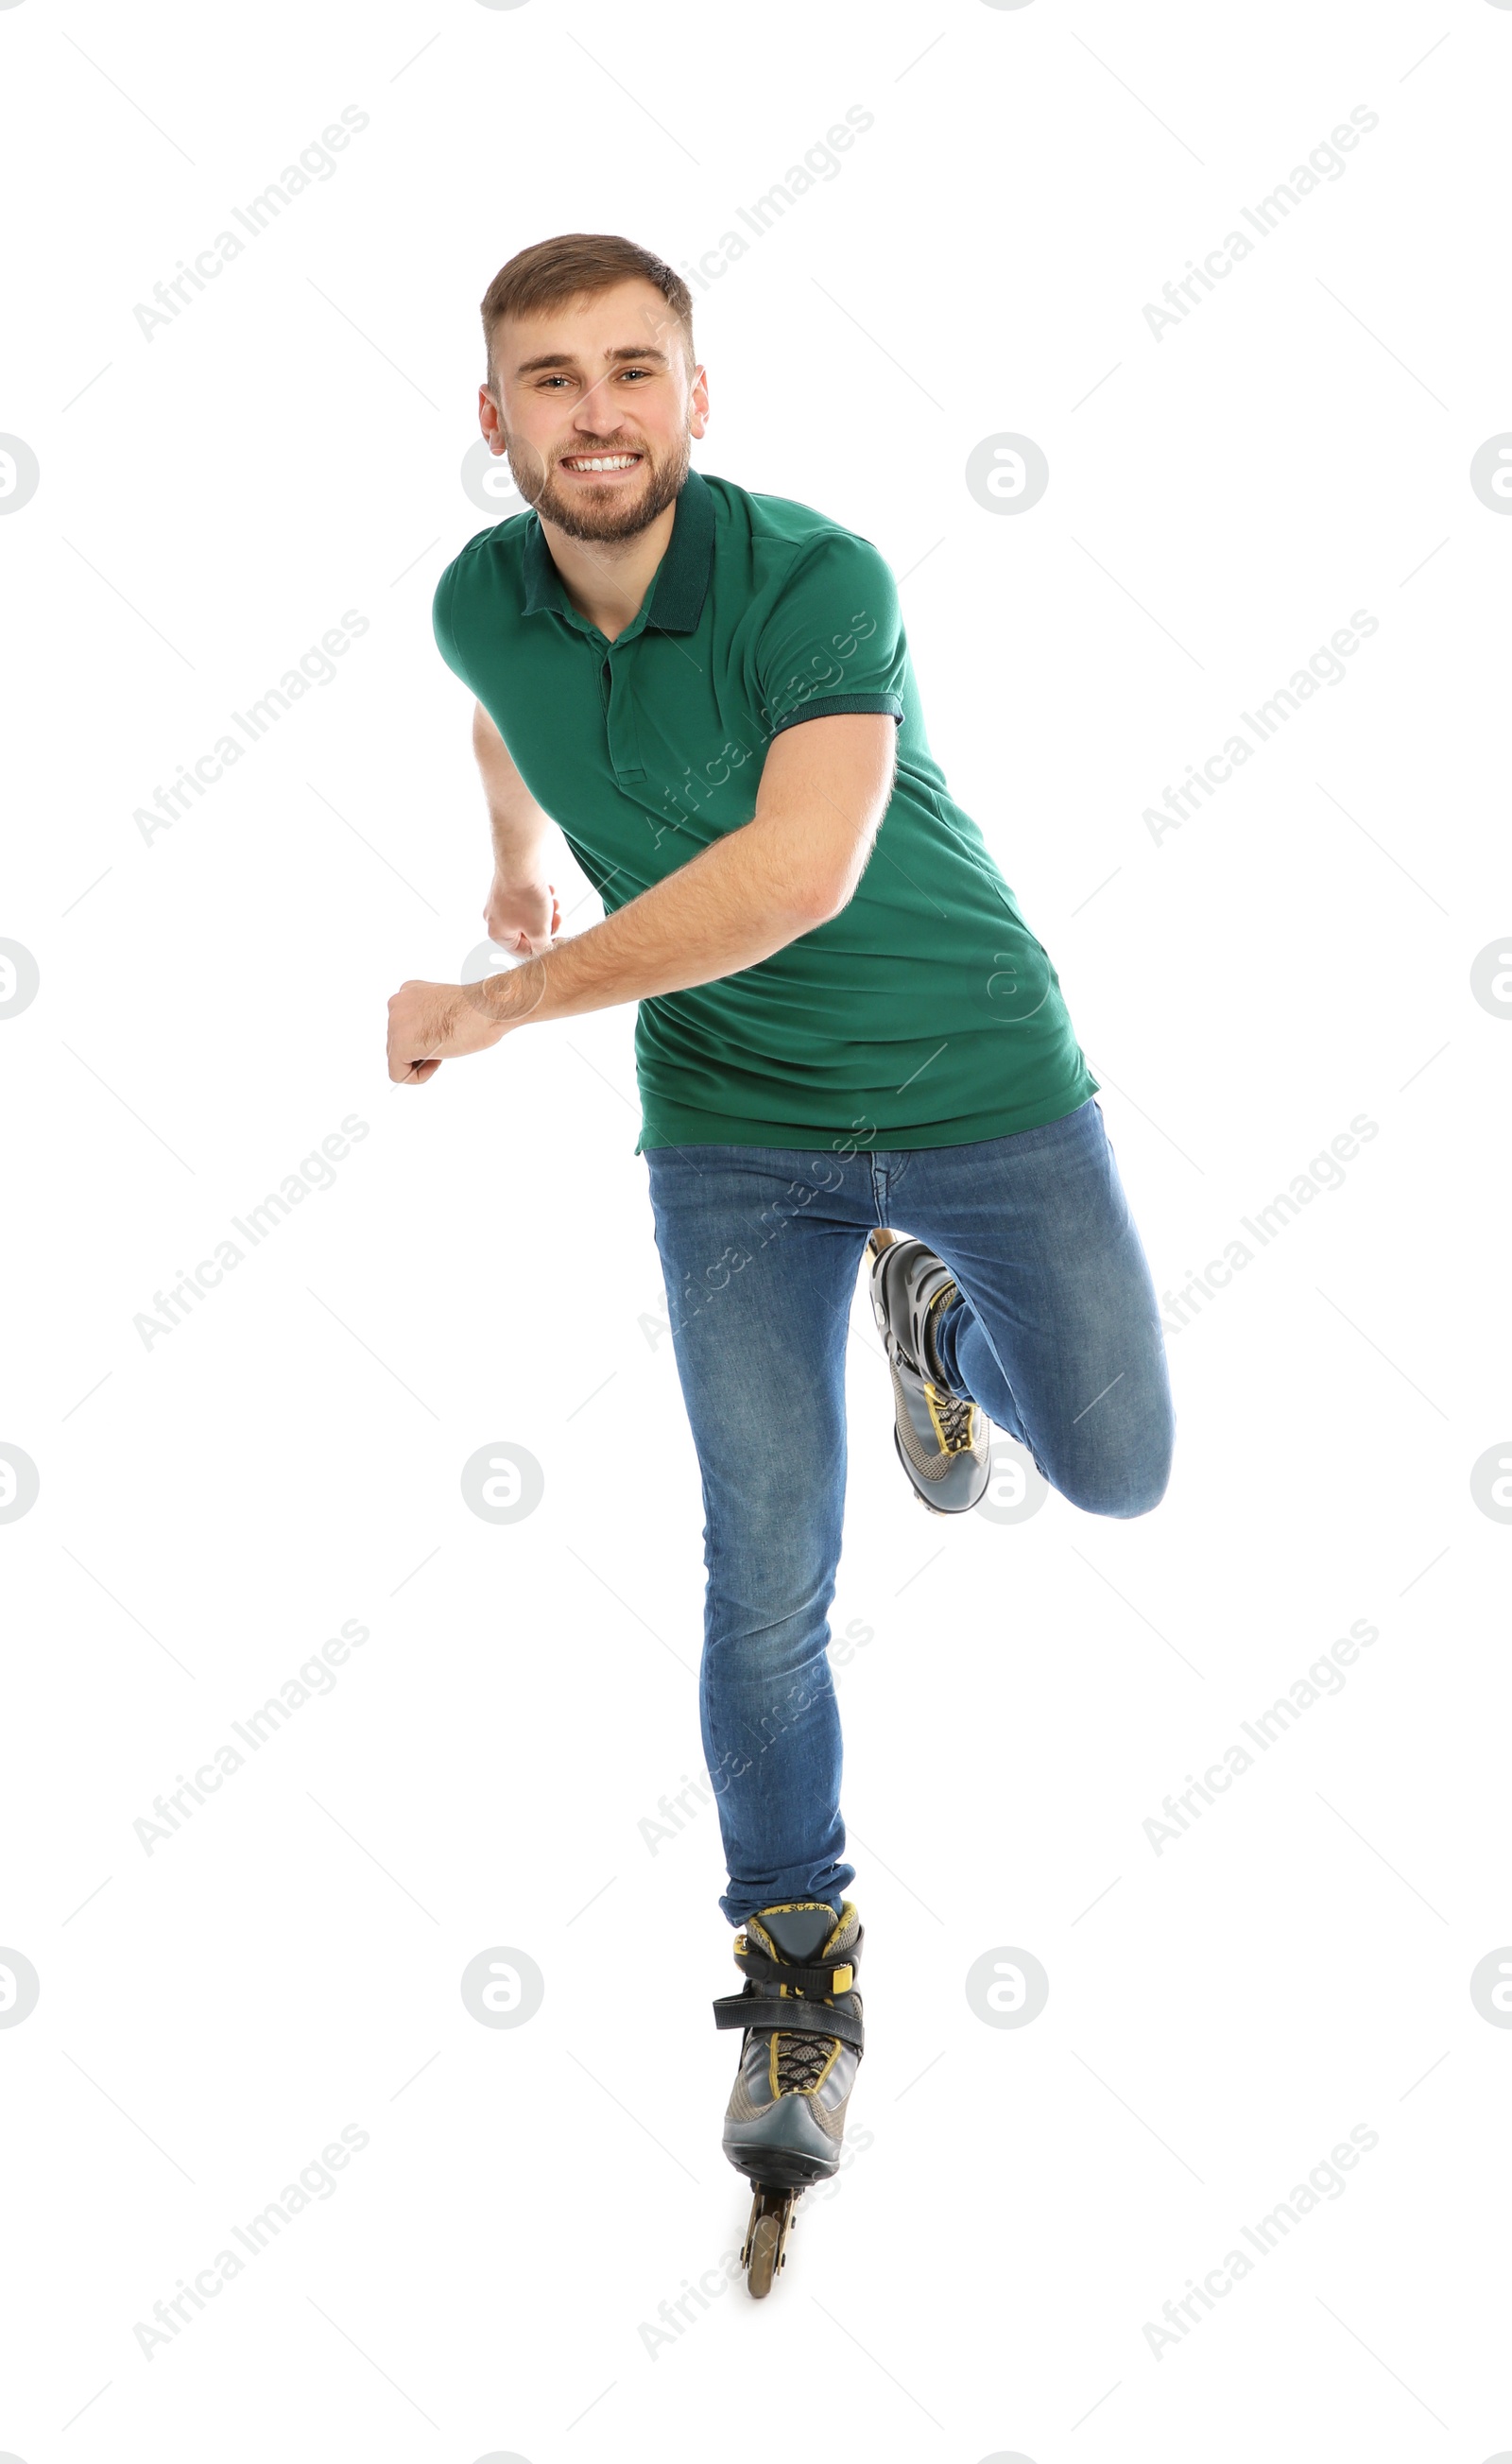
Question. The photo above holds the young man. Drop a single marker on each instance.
(843, 1022)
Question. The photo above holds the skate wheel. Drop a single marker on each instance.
(766, 2241)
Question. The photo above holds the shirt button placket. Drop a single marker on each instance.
(624, 739)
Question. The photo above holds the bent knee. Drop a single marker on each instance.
(1127, 1508)
(1122, 1492)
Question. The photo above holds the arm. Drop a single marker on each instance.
(823, 791)
(521, 912)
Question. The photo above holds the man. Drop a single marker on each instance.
(844, 1019)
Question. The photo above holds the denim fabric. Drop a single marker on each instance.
(1056, 1336)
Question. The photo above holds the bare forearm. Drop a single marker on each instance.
(780, 875)
(519, 841)
(735, 904)
(517, 823)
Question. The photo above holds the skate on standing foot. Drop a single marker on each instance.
(943, 1440)
(800, 2048)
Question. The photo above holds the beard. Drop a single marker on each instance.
(634, 507)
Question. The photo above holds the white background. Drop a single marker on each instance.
(1019, 2203)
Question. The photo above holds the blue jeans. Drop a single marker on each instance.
(1057, 1336)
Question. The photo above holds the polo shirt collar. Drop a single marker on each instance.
(680, 582)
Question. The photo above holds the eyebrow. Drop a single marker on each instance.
(566, 360)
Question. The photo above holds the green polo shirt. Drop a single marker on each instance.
(925, 1013)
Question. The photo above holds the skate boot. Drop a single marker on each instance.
(944, 1442)
(799, 2057)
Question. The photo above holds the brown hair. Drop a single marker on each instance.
(571, 267)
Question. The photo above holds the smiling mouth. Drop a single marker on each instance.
(596, 465)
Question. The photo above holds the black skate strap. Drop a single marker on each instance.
(831, 1976)
(766, 2011)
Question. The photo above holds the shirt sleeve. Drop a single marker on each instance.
(441, 622)
(834, 639)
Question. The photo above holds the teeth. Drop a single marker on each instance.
(604, 462)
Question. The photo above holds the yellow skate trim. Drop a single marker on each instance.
(961, 1446)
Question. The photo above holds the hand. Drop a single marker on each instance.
(428, 1023)
(522, 917)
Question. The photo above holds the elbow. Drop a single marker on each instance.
(823, 899)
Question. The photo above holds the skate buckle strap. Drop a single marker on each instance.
(765, 2011)
(810, 1977)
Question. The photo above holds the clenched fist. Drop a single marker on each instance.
(428, 1023)
(522, 917)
